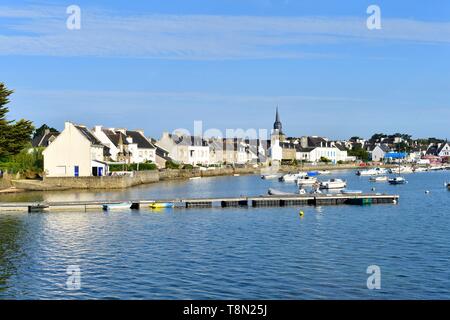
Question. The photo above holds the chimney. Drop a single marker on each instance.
(97, 128)
(67, 125)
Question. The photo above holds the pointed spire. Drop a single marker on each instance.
(277, 124)
(277, 116)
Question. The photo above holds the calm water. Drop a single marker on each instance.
(263, 253)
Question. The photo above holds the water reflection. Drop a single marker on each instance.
(11, 231)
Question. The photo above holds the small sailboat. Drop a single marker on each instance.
(160, 205)
(117, 206)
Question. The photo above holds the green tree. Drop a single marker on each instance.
(324, 160)
(14, 136)
(359, 153)
(39, 131)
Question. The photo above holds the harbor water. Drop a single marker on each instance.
(231, 253)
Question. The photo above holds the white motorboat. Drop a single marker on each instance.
(379, 179)
(333, 184)
(270, 176)
(420, 169)
(306, 181)
(372, 172)
(292, 177)
(324, 172)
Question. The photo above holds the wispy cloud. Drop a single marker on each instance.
(42, 31)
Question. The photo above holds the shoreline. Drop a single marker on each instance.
(150, 177)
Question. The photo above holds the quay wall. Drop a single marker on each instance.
(118, 182)
(106, 182)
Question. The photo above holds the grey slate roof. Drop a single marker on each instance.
(44, 139)
(88, 135)
(141, 141)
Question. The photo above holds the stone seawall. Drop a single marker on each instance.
(191, 173)
(118, 182)
(5, 184)
(108, 182)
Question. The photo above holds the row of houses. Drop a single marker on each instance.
(435, 153)
(80, 151)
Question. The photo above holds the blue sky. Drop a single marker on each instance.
(161, 65)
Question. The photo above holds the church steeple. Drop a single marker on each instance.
(277, 124)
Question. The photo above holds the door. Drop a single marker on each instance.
(77, 171)
(100, 171)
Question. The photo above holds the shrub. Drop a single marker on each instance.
(172, 165)
(188, 166)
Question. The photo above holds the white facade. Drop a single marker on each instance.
(100, 135)
(275, 151)
(332, 153)
(73, 154)
(198, 155)
(378, 154)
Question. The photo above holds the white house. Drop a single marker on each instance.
(76, 152)
(379, 151)
(312, 149)
(126, 145)
(186, 149)
(439, 149)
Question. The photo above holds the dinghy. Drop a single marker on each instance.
(274, 192)
(159, 205)
(117, 206)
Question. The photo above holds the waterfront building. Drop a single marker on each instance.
(186, 149)
(75, 152)
(130, 146)
(441, 150)
(313, 149)
(378, 152)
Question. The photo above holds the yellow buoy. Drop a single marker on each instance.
(301, 213)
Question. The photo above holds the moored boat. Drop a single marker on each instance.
(158, 205)
(117, 206)
(306, 181)
(274, 192)
(371, 172)
(379, 179)
(333, 184)
(292, 177)
(270, 176)
(397, 180)
(324, 172)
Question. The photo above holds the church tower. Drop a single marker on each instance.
(277, 132)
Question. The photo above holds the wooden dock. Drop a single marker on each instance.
(224, 202)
